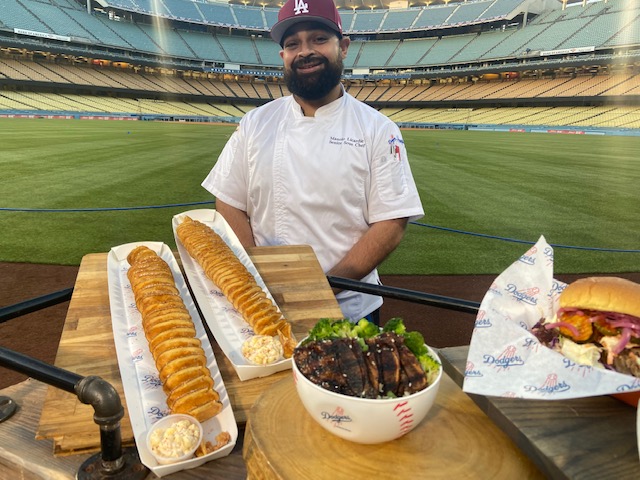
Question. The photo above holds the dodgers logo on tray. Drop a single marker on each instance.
(150, 382)
(508, 358)
(337, 418)
(550, 386)
(137, 355)
(525, 295)
(156, 413)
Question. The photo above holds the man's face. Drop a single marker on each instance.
(312, 61)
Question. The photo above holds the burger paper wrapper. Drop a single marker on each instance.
(506, 360)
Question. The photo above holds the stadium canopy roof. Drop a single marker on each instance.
(375, 4)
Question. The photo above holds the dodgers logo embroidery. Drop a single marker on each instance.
(301, 7)
(394, 147)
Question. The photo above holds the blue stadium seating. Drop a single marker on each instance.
(402, 20)
(249, 17)
(575, 27)
(184, 10)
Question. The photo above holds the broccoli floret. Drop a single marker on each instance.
(430, 366)
(395, 325)
(366, 329)
(342, 328)
(321, 330)
(415, 342)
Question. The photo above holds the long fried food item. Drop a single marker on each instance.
(171, 334)
(224, 269)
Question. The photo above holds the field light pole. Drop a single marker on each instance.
(112, 461)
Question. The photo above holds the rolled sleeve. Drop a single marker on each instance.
(393, 192)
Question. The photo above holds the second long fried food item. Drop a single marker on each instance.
(228, 273)
(169, 329)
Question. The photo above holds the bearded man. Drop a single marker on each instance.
(318, 167)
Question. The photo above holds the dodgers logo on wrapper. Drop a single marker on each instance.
(550, 386)
(482, 321)
(508, 358)
(529, 257)
(526, 295)
(471, 371)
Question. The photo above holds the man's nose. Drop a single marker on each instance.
(306, 49)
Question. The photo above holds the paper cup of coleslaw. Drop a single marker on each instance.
(174, 438)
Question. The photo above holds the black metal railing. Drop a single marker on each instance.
(34, 304)
(112, 461)
(449, 303)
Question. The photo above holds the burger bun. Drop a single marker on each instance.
(607, 294)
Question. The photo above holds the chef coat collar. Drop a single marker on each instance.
(325, 110)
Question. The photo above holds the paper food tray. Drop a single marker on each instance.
(506, 360)
(225, 322)
(146, 402)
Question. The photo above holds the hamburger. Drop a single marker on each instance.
(597, 324)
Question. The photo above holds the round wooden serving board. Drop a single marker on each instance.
(455, 440)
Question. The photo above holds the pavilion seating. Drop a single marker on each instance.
(368, 21)
(239, 49)
(99, 28)
(468, 12)
(433, 17)
(184, 10)
(445, 48)
(249, 17)
(411, 52)
(217, 13)
(376, 54)
(501, 8)
(268, 52)
(205, 46)
(399, 20)
(56, 18)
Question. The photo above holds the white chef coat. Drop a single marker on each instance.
(319, 181)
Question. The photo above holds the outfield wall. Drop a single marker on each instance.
(567, 130)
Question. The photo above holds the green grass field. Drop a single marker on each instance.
(575, 190)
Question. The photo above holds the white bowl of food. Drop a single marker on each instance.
(174, 438)
(377, 413)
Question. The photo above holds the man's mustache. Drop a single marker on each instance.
(309, 61)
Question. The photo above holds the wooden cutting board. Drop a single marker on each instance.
(294, 278)
(455, 440)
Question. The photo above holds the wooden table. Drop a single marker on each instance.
(584, 438)
(65, 427)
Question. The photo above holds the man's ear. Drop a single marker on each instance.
(344, 46)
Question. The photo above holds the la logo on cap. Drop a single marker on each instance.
(301, 7)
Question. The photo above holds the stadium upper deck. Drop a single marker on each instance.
(440, 40)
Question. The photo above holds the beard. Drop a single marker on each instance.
(316, 85)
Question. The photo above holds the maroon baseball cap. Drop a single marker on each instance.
(295, 11)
